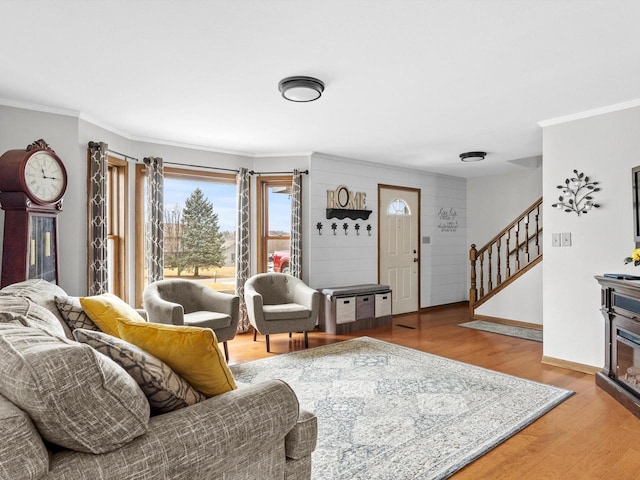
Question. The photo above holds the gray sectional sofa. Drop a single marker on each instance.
(70, 412)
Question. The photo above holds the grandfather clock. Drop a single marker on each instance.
(32, 184)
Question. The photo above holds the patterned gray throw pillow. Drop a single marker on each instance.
(39, 292)
(73, 314)
(31, 314)
(165, 390)
(76, 397)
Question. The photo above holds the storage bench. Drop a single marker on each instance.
(355, 307)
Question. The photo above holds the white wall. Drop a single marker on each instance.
(605, 148)
(351, 259)
(495, 201)
(520, 301)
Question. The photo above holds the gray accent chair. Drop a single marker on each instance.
(281, 303)
(185, 302)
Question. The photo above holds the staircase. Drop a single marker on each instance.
(511, 253)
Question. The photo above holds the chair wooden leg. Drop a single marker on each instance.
(268, 347)
(226, 351)
(255, 332)
(289, 334)
(306, 339)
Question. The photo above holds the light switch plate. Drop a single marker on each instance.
(555, 239)
(565, 239)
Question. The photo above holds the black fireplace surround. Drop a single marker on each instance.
(620, 308)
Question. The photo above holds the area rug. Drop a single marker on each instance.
(391, 412)
(509, 330)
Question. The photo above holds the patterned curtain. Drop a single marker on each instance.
(242, 245)
(154, 231)
(296, 225)
(97, 271)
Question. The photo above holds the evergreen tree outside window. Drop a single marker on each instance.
(201, 237)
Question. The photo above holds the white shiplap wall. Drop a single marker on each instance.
(336, 260)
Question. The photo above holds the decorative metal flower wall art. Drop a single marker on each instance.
(577, 194)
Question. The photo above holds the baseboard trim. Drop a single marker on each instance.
(444, 305)
(578, 367)
(506, 321)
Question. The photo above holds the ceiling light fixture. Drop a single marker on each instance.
(301, 89)
(472, 156)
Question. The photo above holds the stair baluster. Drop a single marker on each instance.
(498, 273)
(497, 255)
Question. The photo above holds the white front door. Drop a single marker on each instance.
(399, 254)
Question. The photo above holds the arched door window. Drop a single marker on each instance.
(398, 206)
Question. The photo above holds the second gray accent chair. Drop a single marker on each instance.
(185, 302)
(281, 303)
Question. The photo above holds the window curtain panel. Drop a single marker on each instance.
(296, 225)
(243, 258)
(154, 230)
(97, 268)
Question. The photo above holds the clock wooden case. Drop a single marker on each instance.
(32, 184)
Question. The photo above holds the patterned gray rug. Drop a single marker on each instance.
(509, 330)
(390, 412)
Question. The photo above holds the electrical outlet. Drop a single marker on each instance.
(555, 239)
(565, 239)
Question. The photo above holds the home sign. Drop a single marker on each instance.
(342, 203)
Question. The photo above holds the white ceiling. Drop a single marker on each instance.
(408, 82)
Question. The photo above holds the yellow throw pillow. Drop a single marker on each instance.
(192, 352)
(105, 309)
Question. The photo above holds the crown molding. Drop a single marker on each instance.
(370, 163)
(104, 126)
(136, 138)
(171, 143)
(590, 113)
(39, 108)
(238, 153)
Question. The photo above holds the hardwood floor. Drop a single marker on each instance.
(589, 436)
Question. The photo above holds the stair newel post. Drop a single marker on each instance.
(498, 275)
(473, 292)
(489, 274)
(517, 246)
(526, 237)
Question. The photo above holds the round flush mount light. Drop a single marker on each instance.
(301, 89)
(472, 156)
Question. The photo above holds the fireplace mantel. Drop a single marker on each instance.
(620, 307)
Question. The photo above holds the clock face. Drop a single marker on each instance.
(44, 177)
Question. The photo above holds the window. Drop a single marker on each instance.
(117, 200)
(199, 228)
(398, 207)
(274, 223)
